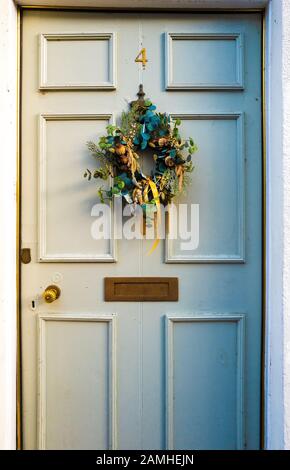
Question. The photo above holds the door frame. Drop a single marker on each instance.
(276, 301)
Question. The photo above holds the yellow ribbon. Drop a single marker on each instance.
(157, 201)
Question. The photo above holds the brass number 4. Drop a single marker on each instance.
(141, 57)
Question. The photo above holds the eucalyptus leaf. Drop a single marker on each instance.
(115, 190)
(145, 136)
(143, 144)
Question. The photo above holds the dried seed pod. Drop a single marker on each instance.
(179, 170)
(124, 159)
(130, 158)
(120, 149)
(162, 141)
(137, 196)
(145, 193)
(169, 162)
(133, 165)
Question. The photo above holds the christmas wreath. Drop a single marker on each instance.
(119, 154)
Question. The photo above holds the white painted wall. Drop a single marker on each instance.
(286, 216)
(278, 206)
(8, 133)
(278, 226)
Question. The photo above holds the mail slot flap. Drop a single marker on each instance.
(141, 289)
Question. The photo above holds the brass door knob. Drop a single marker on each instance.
(51, 294)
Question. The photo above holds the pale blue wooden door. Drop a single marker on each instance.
(151, 375)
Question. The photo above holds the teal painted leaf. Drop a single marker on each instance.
(144, 145)
(145, 136)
